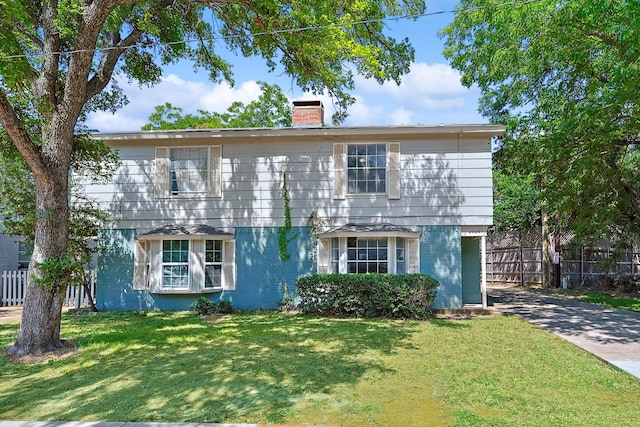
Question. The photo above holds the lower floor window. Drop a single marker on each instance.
(184, 265)
(213, 264)
(367, 255)
(360, 255)
(175, 264)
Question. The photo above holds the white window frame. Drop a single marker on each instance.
(327, 253)
(149, 265)
(363, 168)
(341, 171)
(170, 264)
(165, 172)
(213, 263)
(365, 252)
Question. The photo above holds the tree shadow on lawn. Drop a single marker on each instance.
(176, 367)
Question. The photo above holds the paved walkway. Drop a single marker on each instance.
(609, 333)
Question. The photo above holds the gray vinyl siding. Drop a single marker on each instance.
(443, 181)
(8, 253)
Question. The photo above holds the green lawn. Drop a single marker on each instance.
(625, 303)
(275, 368)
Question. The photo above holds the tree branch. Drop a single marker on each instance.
(109, 60)
(46, 84)
(20, 137)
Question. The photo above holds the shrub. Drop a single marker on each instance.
(203, 306)
(402, 296)
(626, 283)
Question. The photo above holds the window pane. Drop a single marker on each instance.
(175, 264)
(213, 276)
(189, 170)
(366, 168)
(213, 264)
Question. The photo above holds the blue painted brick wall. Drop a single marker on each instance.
(259, 272)
(441, 257)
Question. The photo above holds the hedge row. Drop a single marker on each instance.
(401, 296)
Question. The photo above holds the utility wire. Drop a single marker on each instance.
(281, 31)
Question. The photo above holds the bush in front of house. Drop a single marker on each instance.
(398, 296)
(203, 306)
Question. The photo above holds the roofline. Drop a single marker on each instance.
(461, 129)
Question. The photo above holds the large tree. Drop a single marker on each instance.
(58, 59)
(564, 77)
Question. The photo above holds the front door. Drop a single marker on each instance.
(471, 276)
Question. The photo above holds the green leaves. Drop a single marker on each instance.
(563, 77)
(271, 109)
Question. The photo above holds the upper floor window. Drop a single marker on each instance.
(188, 171)
(366, 168)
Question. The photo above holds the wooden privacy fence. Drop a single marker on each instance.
(12, 291)
(518, 259)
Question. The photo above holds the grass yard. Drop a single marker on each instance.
(624, 302)
(275, 368)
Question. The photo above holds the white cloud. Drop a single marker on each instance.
(223, 95)
(188, 95)
(401, 116)
(434, 87)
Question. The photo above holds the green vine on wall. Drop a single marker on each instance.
(283, 241)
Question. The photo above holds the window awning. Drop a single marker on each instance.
(371, 230)
(186, 232)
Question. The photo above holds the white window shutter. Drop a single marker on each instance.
(229, 265)
(196, 265)
(324, 256)
(215, 171)
(163, 169)
(140, 263)
(393, 171)
(339, 175)
(412, 254)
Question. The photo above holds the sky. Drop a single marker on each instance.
(430, 93)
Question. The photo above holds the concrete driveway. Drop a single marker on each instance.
(609, 333)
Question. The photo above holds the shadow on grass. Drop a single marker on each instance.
(177, 367)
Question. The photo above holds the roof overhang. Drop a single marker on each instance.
(169, 137)
(371, 230)
(186, 232)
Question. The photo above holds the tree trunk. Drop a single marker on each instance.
(41, 316)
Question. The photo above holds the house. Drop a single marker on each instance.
(197, 212)
(14, 252)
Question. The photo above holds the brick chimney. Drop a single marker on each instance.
(308, 114)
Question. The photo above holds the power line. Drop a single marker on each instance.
(281, 31)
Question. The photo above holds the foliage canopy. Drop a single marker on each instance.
(271, 109)
(563, 77)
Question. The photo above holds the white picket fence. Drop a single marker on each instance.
(12, 291)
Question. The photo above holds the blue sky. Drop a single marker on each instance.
(430, 94)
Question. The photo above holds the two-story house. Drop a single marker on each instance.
(198, 211)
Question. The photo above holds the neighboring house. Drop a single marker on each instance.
(198, 211)
(14, 254)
